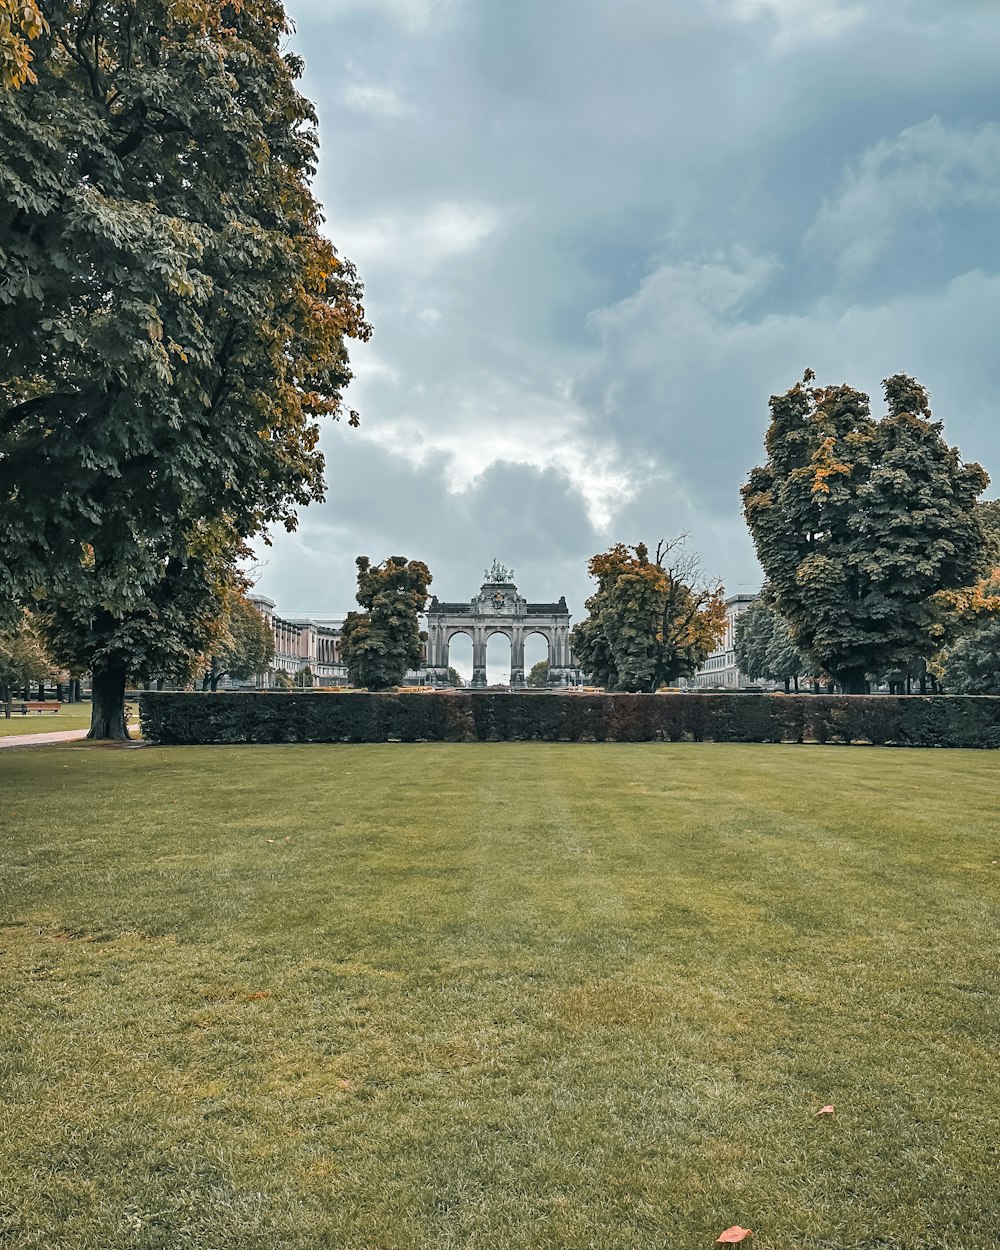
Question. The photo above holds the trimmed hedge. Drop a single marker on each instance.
(912, 720)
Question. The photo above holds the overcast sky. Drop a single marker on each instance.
(596, 236)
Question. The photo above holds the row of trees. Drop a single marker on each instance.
(241, 645)
(172, 323)
(876, 549)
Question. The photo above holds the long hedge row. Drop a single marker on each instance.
(926, 721)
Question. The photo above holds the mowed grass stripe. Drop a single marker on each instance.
(496, 995)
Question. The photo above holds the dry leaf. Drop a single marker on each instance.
(345, 1084)
(287, 839)
(257, 995)
(827, 1110)
(271, 840)
(732, 1236)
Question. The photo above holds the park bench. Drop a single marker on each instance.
(24, 707)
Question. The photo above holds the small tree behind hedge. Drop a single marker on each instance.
(380, 644)
(650, 621)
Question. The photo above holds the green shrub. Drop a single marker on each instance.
(472, 716)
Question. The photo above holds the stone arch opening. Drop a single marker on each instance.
(459, 652)
(499, 657)
(537, 646)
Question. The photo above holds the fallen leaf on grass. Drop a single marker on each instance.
(733, 1236)
(271, 840)
(827, 1110)
(257, 995)
(345, 1084)
(287, 839)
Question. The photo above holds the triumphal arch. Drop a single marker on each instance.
(500, 609)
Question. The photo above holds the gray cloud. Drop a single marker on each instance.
(595, 238)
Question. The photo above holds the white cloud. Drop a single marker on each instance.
(927, 169)
(375, 101)
(417, 242)
(800, 21)
(413, 16)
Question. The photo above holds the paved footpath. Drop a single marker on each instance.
(40, 740)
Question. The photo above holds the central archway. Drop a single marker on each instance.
(498, 658)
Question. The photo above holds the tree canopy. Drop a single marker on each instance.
(538, 674)
(172, 320)
(650, 621)
(382, 643)
(972, 665)
(861, 524)
(243, 645)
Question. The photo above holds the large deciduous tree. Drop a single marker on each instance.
(382, 643)
(861, 524)
(172, 321)
(244, 644)
(650, 621)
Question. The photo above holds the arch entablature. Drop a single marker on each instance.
(500, 609)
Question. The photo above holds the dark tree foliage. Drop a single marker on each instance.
(650, 621)
(972, 665)
(24, 657)
(382, 643)
(764, 646)
(860, 524)
(172, 322)
(539, 674)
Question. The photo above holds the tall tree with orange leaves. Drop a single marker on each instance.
(172, 320)
(863, 526)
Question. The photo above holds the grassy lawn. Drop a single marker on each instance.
(498, 996)
(69, 716)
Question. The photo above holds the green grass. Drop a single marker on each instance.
(498, 996)
(69, 716)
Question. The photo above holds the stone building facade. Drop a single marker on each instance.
(301, 644)
(500, 609)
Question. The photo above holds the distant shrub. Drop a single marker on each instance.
(485, 716)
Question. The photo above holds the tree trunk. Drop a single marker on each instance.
(107, 716)
(214, 680)
(41, 692)
(853, 681)
(788, 684)
(796, 680)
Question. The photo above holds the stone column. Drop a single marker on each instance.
(478, 658)
(516, 658)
